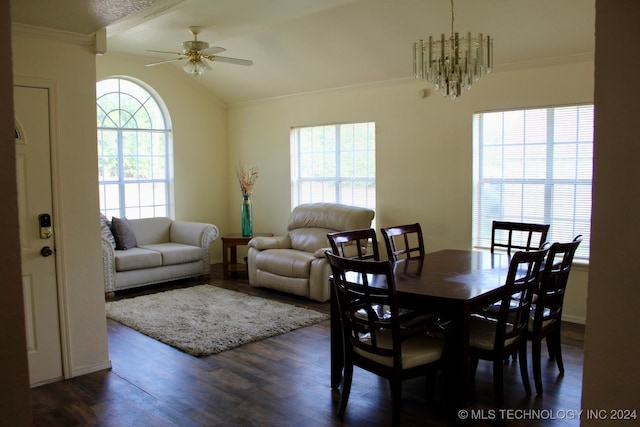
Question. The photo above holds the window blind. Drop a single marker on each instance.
(534, 165)
(334, 163)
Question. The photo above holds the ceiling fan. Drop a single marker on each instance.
(197, 53)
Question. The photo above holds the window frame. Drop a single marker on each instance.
(550, 175)
(149, 134)
(334, 178)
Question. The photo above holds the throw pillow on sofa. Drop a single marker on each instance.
(123, 233)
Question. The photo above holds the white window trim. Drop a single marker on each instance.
(337, 178)
(168, 181)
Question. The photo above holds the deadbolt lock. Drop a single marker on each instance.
(46, 229)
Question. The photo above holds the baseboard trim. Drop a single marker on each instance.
(90, 369)
(574, 319)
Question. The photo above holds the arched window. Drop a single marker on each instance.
(135, 160)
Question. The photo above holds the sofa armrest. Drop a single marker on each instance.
(109, 266)
(262, 243)
(196, 234)
(191, 233)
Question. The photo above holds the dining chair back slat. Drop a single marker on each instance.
(374, 287)
(403, 241)
(362, 244)
(359, 244)
(517, 236)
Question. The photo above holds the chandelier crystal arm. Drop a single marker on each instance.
(453, 63)
(452, 17)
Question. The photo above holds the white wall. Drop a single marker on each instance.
(423, 149)
(70, 65)
(199, 140)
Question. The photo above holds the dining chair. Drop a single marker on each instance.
(495, 339)
(546, 314)
(519, 236)
(355, 244)
(386, 348)
(509, 236)
(403, 241)
(406, 241)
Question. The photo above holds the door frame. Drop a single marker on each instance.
(59, 252)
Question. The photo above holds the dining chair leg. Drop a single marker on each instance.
(346, 387)
(396, 401)
(536, 349)
(550, 348)
(431, 380)
(473, 367)
(524, 370)
(498, 384)
(557, 348)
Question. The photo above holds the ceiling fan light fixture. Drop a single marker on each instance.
(196, 67)
(196, 45)
(195, 52)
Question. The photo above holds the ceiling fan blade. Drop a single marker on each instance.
(231, 60)
(166, 61)
(164, 51)
(213, 50)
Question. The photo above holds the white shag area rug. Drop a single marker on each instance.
(205, 319)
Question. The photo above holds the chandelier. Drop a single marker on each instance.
(454, 63)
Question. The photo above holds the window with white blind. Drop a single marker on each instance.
(534, 165)
(334, 163)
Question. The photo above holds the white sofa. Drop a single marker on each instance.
(296, 263)
(166, 250)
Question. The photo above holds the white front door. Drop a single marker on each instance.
(33, 170)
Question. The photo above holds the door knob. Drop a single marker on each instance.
(46, 251)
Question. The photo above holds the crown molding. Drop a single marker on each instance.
(52, 34)
(505, 67)
(546, 62)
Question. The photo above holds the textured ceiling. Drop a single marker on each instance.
(79, 16)
(309, 45)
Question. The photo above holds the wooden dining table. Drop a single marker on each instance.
(451, 282)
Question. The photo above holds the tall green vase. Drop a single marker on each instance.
(247, 217)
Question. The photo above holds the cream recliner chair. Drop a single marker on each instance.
(296, 263)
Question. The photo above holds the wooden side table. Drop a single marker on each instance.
(230, 245)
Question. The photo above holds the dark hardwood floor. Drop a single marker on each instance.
(282, 381)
